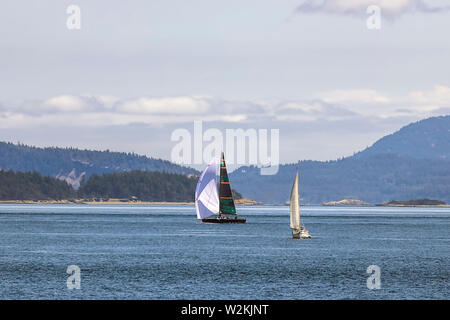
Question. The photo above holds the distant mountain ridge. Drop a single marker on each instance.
(425, 139)
(375, 179)
(412, 163)
(72, 165)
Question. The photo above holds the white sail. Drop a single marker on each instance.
(206, 195)
(294, 206)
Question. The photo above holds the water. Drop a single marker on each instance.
(163, 252)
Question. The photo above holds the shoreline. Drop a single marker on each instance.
(239, 202)
(90, 202)
(415, 205)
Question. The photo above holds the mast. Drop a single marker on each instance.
(225, 196)
(295, 205)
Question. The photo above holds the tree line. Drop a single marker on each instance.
(136, 185)
(33, 186)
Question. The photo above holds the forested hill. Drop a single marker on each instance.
(72, 164)
(411, 163)
(425, 139)
(139, 185)
(142, 185)
(375, 179)
(33, 186)
(135, 185)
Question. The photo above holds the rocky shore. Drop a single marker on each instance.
(247, 202)
(414, 203)
(346, 202)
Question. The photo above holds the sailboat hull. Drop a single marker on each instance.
(301, 233)
(224, 220)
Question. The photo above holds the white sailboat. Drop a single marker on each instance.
(298, 230)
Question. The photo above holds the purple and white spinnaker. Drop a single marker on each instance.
(206, 194)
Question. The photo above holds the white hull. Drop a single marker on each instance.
(301, 233)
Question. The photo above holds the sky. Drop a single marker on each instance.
(136, 71)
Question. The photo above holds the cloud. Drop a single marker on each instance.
(311, 111)
(171, 105)
(353, 96)
(371, 103)
(438, 95)
(65, 103)
(333, 124)
(336, 105)
(390, 8)
(103, 110)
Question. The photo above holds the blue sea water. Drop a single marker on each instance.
(164, 252)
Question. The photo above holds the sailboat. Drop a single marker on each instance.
(298, 230)
(209, 201)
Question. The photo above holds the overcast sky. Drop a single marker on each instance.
(137, 70)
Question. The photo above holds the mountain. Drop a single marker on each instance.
(72, 165)
(425, 139)
(411, 163)
(375, 179)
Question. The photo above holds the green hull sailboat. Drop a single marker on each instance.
(209, 202)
